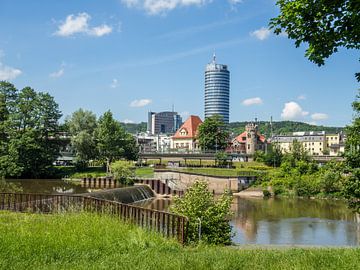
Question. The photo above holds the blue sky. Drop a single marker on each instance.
(132, 56)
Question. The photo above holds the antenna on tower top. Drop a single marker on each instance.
(214, 57)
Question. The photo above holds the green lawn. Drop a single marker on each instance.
(88, 241)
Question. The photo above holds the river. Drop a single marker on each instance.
(279, 221)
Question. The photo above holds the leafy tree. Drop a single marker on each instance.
(213, 134)
(274, 156)
(28, 129)
(213, 216)
(82, 125)
(323, 24)
(112, 140)
(352, 155)
(123, 171)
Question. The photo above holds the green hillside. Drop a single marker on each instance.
(283, 127)
(279, 127)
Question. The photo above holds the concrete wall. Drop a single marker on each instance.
(216, 184)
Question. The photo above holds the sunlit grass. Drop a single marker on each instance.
(89, 241)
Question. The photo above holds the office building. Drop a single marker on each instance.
(163, 122)
(217, 90)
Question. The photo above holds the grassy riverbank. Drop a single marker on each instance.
(87, 241)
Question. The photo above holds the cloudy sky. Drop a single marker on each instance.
(132, 56)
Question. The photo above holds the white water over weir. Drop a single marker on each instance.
(124, 195)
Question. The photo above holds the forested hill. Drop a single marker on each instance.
(135, 127)
(283, 127)
(280, 127)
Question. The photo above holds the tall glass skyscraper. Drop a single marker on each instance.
(217, 90)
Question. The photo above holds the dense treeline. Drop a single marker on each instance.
(102, 139)
(30, 140)
(28, 132)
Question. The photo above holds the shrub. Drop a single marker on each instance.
(266, 193)
(200, 207)
(123, 171)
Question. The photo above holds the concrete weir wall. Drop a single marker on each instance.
(217, 184)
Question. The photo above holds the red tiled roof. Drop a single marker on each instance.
(190, 126)
(240, 137)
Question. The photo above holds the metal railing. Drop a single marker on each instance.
(167, 224)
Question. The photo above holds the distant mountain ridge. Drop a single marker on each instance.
(279, 127)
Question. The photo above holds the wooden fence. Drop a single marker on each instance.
(168, 224)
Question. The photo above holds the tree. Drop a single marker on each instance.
(112, 140)
(28, 132)
(352, 155)
(324, 25)
(82, 125)
(274, 156)
(213, 134)
(207, 217)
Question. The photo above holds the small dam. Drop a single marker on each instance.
(125, 195)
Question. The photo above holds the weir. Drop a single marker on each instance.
(124, 195)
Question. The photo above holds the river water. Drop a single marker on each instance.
(279, 221)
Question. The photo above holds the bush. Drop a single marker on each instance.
(200, 207)
(123, 171)
(266, 193)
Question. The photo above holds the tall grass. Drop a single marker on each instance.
(89, 241)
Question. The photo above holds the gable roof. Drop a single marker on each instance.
(191, 126)
(240, 137)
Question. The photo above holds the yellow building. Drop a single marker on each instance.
(313, 142)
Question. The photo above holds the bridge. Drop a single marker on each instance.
(184, 156)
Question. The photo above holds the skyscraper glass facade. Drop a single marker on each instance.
(217, 90)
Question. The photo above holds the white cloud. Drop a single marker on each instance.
(235, 2)
(100, 30)
(261, 34)
(293, 111)
(114, 83)
(155, 7)
(79, 24)
(8, 73)
(301, 97)
(252, 101)
(319, 116)
(57, 74)
(140, 102)
(128, 121)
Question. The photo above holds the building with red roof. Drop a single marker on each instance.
(185, 136)
(249, 141)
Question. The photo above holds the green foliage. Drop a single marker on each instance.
(352, 155)
(28, 130)
(324, 25)
(274, 156)
(213, 134)
(281, 127)
(266, 193)
(123, 171)
(352, 190)
(221, 159)
(81, 125)
(199, 206)
(89, 241)
(112, 140)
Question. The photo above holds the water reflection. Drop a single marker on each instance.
(51, 186)
(289, 221)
